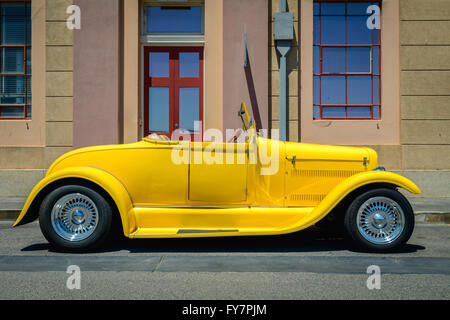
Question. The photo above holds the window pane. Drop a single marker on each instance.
(159, 64)
(189, 64)
(28, 30)
(316, 8)
(358, 112)
(376, 90)
(13, 30)
(333, 8)
(333, 90)
(28, 78)
(333, 60)
(376, 112)
(12, 89)
(316, 60)
(333, 30)
(357, 31)
(316, 112)
(174, 19)
(376, 36)
(316, 30)
(316, 98)
(13, 8)
(333, 112)
(357, 8)
(28, 60)
(11, 112)
(358, 59)
(189, 108)
(376, 60)
(158, 109)
(12, 60)
(359, 90)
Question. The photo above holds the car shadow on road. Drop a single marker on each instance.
(310, 240)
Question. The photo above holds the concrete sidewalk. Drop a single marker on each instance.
(427, 210)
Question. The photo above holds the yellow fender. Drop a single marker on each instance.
(100, 177)
(338, 193)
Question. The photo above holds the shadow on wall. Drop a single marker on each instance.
(252, 93)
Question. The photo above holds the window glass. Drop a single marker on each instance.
(174, 19)
(358, 112)
(11, 112)
(189, 108)
(332, 30)
(357, 31)
(333, 90)
(358, 59)
(332, 8)
(333, 60)
(159, 64)
(333, 112)
(359, 90)
(189, 64)
(12, 60)
(158, 109)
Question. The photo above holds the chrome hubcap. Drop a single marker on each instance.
(74, 217)
(380, 220)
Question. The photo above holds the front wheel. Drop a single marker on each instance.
(75, 218)
(380, 220)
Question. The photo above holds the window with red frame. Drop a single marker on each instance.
(173, 90)
(15, 60)
(347, 68)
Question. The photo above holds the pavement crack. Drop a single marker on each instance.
(159, 263)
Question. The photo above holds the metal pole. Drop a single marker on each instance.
(283, 32)
(282, 5)
(283, 47)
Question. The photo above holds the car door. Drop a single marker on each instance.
(218, 173)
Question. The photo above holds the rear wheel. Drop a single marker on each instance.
(380, 220)
(75, 218)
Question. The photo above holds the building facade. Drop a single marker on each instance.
(127, 68)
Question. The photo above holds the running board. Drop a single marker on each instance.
(180, 231)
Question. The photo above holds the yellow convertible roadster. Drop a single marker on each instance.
(158, 188)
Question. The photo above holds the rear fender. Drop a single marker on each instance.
(103, 179)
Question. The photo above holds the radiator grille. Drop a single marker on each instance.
(307, 197)
(323, 173)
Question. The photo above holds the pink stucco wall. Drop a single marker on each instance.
(250, 84)
(96, 74)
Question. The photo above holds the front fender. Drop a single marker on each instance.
(105, 180)
(338, 193)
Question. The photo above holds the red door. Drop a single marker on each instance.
(173, 91)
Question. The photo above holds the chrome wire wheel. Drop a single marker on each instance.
(380, 220)
(74, 217)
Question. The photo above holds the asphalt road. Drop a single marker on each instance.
(306, 265)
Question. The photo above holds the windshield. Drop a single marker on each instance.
(247, 122)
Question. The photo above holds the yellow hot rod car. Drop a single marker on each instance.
(157, 188)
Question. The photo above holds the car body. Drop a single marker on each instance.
(176, 189)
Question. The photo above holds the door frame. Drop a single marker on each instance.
(173, 82)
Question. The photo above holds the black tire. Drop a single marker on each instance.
(365, 234)
(96, 236)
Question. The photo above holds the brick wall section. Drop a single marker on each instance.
(425, 84)
(59, 81)
(293, 129)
